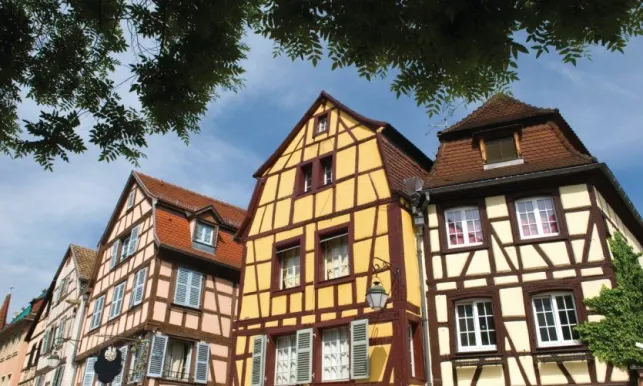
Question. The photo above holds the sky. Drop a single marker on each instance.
(43, 212)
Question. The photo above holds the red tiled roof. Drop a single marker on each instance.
(499, 108)
(192, 201)
(173, 230)
(85, 259)
(399, 166)
(543, 147)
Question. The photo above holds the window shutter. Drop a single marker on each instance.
(258, 360)
(196, 281)
(157, 357)
(58, 375)
(88, 377)
(182, 282)
(139, 287)
(98, 312)
(133, 241)
(117, 301)
(202, 361)
(305, 356)
(359, 349)
(45, 341)
(61, 333)
(114, 257)
(118, 381)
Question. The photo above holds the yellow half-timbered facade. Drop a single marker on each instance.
(327, 220)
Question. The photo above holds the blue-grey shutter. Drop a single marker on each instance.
(202, 361)
(88, 377)
(157, 356)
(61, 333)
(45, 341)
(196, 281)
(114, 257)
(305, 356)
(258, 360)
(118, 381)
(98, 312)
(359, 349)
(133, 241)
(182, 283)
(139, 287)
(117, 301)
(58, 375)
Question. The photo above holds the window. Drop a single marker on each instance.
(409, 334)
(501, 149)
(130, 199)
(307, 178)
(286, 360)
(135, 373)
(203, 233)
(463, 227)
(289, 268)
(177, 360)
(188, 288)
(537, 217)
(129, 244)
(335, 355)
(555, 316)
(97, 313)
(475, 326)
(117, 300)
(322, 124)
(335, 254)
(138, 291)
(327, 169)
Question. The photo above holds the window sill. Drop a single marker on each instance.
(287, 291)
(466, 248)
(572, 347)
(320, 133)
(502, 164)
(541, 239)
(476, 354)
(187, 308)
(332, 282)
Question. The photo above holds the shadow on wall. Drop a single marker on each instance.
(378, 362)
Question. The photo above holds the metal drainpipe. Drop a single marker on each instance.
(419, 232)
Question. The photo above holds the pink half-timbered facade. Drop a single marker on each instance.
(164, 288)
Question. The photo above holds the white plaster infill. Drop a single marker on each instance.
(513, 162)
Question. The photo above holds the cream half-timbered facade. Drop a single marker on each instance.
(327, 220)
(517, 235)
(54, 335)
(164, 287)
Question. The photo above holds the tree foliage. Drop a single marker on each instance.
(62, 54)
(613, 339)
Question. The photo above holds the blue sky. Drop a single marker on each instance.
(42, 212)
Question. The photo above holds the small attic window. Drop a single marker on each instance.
(204, 237)
(501, 151)
(130, 199)
(322, 124)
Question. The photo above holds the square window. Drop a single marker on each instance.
(203, 233)
(334, 251)
(475, 326)
(555, 318)
(286, 360)
(537, 217)
(463, 227)
(322, 124)
(501, 149)
(289, 267)
(335, 354)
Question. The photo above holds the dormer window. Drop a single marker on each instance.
(501, 151)
(322, 124)
(204, 237)
(203, 233)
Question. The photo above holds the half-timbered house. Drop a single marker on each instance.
(56, 328)
(164, 288)
(328, 220)
(519, 216)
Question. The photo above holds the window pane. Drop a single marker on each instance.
(335, 253)
(286, 360)
(463, 226)
(502, 149)
(290, 268)
(335, 354)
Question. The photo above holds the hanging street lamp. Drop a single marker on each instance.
(376, 296)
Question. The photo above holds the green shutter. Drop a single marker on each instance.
(305, 356)
(258, 360)
(359, 349)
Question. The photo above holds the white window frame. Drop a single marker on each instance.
(198, 235)
(465, 226)
(557, 324)
(476, 326)
(319, 129)
(308, 178)
(327, 169)
(336, 258)
(285, 270)
(539, 226)
(291, 358)
(130, 199)
(345, 331)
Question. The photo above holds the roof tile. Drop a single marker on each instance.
(85, 260)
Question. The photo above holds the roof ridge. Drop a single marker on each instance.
(191, 191)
